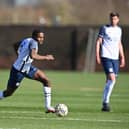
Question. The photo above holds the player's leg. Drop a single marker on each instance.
(110, 82)
(9, 91)
(13, 83)
(111, 79)
(108, 90)
(40, 76)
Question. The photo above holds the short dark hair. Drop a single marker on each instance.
(35, 33)
(113, 14)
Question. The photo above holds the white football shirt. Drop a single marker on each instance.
(110, 44)
(24, 60)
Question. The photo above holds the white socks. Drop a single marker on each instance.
(108, 90)
(1, 95)
(47, 94)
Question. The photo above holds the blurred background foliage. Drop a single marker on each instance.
(62, 12)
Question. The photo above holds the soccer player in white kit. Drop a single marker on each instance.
(27, 52)
(109, 52)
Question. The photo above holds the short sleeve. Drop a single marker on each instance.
(33, 44)
(101, 32)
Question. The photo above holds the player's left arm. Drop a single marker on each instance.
(122, 57)
(36, 56)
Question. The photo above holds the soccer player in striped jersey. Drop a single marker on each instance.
(109, 52)
(22, 67)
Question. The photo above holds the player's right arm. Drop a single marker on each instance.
(98, 45)
(36, 56)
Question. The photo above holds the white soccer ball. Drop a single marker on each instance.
(61, 110)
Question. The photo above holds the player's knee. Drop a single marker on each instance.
(112, 77)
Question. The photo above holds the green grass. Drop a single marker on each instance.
(81, 92)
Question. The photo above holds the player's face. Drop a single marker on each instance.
(40, 38)
(114, 20)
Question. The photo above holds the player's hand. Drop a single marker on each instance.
(49, 57)
(122, 63)
(98, 59)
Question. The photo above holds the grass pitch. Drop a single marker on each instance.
(81, 92)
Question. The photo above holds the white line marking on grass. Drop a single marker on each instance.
(63, 119)
(57, 119)
(32, 112)
(23, 112)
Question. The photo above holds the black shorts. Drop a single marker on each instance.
(16, 76)
(110, 66)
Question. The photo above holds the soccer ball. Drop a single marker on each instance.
(61, 110)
